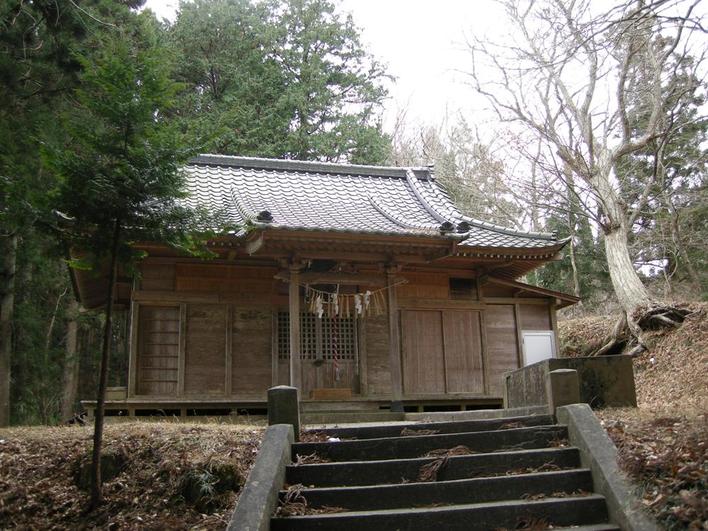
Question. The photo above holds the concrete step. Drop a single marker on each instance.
(461, 491)
(374, 432)
(343, 417)
(483, 516)
(418, 446)
(402, 470)
(593, 527)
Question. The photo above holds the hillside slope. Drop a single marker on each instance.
(663, 443)
(158, 475)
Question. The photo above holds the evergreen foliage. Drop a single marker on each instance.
(119, 174)
(283, 78)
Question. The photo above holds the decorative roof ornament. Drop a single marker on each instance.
(463, 227)
(264, 216)
(446, 226)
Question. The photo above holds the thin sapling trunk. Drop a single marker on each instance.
(96, 484)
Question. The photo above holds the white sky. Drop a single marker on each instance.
(421, 41)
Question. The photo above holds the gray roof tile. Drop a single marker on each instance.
(337, 197)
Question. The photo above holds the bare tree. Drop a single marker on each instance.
(567, 76)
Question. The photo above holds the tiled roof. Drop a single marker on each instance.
(342, 198)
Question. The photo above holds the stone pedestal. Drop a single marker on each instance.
(284, 407)
(562, 388)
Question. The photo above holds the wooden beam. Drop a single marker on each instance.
(294, 307)
(534, 289)
(519, 336)
(343, 278)
(554, 326)
(394, 338)
(274, 347)
(350, 279)
(358, 256)
(363, 357)
(520, 300)
(439, 304)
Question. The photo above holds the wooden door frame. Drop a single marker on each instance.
(359, 339)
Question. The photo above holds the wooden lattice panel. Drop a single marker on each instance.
(331, 337)
(157, 350)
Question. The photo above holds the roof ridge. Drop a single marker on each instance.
(397, 220)
(301, 165)
(438, 190)
(412, 181)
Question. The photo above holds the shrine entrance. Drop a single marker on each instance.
(329, 353)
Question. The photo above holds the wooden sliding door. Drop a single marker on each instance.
(441, 352)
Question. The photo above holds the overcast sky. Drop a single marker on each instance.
(422, 43)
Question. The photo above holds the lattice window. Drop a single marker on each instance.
(327, 338)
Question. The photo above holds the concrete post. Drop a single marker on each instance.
(562, 388)
(284, 407)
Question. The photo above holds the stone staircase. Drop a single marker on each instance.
(493, 474)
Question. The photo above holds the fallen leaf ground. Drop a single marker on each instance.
(663, 443)
(166, 475)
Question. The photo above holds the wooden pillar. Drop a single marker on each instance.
(394, 337)
(133, 356)
(182, 348)
(294, 307)
(552, 309)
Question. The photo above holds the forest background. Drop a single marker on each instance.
(292, 79)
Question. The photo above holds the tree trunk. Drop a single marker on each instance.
(71, 363)
(7, 308)
(628, 287)
(574, 266)
(96, 483)
(572, 222)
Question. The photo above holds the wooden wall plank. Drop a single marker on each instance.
(394, 347)
(502, 353)
(205, 356)
(490, 290)
(157, 277)
(535, 317)
(252, 351)
(423, 286)
(422, 352)
(377, 361)
(463, 352)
